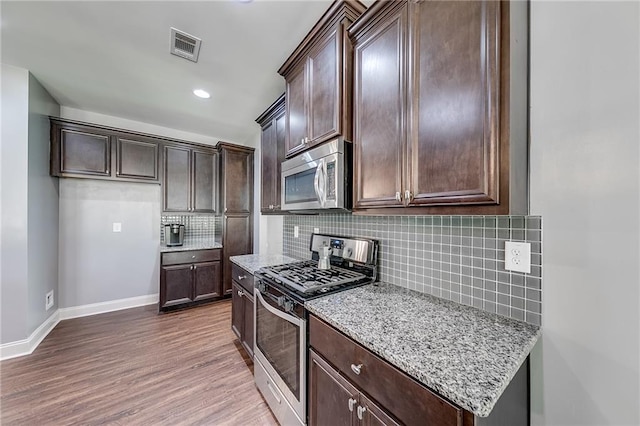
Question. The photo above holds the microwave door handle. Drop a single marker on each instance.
(325, 179)
(316, 181)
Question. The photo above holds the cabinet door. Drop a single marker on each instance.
(296, 111)
(176, 285)
(380, 111)
(205, 181)
(177, 179)
(137, 159)
(332, 399)
(372, 415)
(85, 153)
(237, 240)
(237, 180)
(454, 148)
(281, 131)
(247, 336)
(270, 175)
(237, 310)
(324, 89)
(207, 280)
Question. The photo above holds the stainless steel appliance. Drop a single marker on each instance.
(280, 347)
(173, 234)
(319, 179)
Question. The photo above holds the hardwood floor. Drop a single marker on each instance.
(135, 367)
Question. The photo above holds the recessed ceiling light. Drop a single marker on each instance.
(201, 94)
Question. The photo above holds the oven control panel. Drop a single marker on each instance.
(360, 250)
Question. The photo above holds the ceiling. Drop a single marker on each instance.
(113, 57)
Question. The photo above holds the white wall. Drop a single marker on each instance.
(97, 264)
(585, 182)
(13, 221)
(42, 208)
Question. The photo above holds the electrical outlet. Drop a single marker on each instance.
(48, 302)
(316, 230)
(517, 257)
(296, 231)
(117, 227)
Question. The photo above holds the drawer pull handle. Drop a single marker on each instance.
(361, 411)
(193, 257)
(241, 277)
(275, 394)
(351, 403)
(356, 368)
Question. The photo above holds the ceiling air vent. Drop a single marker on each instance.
(185, 45)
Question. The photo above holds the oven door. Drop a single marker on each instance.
(280, 347)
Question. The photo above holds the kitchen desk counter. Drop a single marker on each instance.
(252, 262)
(192, 245)
(466, 355)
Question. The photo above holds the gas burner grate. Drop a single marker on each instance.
(306, 277)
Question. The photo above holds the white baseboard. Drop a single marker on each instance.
(27, 346)
(110, 306)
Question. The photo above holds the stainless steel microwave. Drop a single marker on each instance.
(319, 180)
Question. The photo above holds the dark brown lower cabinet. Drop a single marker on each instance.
(333, 400)
(242, 307)
(357, 373)
(189, 277)
(242, 317)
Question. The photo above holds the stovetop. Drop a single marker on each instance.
(306, 277)
(353, 262)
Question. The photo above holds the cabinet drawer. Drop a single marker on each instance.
(191, 256)
(401, 395)
(242, 277)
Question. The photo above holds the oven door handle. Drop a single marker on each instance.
(277, 312)
(320, 190)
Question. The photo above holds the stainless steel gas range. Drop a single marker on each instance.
(281, 321)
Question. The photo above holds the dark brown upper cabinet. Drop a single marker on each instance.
(190, 179)
(273, 124)
(90, 151)
(236, 199)
(318, 77)
(440, 108)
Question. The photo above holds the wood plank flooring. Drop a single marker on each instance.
(135, 367)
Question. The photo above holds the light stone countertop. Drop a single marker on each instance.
(195, 244)
(252, 262)
(466, 355)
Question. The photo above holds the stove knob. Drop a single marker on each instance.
(288, 306)
(281, 301)
(261, 287)
(349, 252)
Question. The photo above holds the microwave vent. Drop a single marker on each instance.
(185, 45)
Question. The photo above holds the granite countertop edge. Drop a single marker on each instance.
(480, 405)
(252, 262)
(191, 245)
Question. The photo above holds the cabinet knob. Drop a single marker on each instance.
(408, 195)
(194, 267)
(356, 368)
(240, 293)
(361, 411)
(302, 141)
(351, 404)
(398, 197)
(191, 268)
(193, 257)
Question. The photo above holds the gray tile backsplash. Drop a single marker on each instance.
(203, 227)
(459, 258)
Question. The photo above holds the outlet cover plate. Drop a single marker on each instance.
(296, 231)
(517, 257)
(49, 301)
(117, 227)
